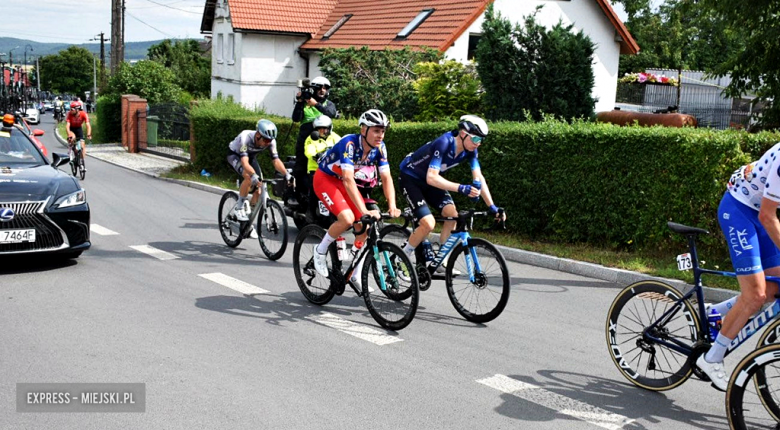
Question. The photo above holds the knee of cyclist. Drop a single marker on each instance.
(449, 210)
(347, 217)
(754, 301)
(427, 223)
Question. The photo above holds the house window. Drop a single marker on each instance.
(336, 26)
(473, 42)
(220, 47)
(422, 16)
(231, 48)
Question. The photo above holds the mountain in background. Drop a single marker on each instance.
(133, 50)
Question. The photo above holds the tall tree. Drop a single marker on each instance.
(191, 68)
(755, 68)
(69, 71)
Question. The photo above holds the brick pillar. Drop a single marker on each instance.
(133, 127)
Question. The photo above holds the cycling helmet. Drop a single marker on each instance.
(320, 81)
(266, 128)
(374, 118)
(473, 125)
(75, 104)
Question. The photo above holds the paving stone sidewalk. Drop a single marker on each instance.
(155, 166)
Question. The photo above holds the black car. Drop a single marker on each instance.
(41, 208)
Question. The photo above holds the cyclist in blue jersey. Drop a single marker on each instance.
(334, 182)
(748, 218)
(422, 183)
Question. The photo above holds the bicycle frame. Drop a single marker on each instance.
(753, 325)
(373, 239)
(472, 262)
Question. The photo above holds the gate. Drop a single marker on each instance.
(168, 131)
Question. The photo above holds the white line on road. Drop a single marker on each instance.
(360, 331)
(99, 229)
(154, 252)
(233, 283)
(562, 404)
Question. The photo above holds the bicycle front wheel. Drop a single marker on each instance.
(229, 226)
(272, 226)
(645, 363)
(390, 287)
(82, 172)
(484, 297)
(754, 379)
(315, 287)
(73, 166)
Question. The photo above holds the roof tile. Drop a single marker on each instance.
(289, 16)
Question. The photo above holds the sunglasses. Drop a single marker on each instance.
(260, 137)
(477, 140)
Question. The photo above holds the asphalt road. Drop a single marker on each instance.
(214, 358)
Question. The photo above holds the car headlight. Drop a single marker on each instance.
(72, 199)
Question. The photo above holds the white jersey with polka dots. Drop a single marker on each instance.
(752, 182)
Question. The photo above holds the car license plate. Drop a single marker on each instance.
(17, 236)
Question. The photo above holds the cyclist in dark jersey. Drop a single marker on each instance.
(73, 126)
(422, 183)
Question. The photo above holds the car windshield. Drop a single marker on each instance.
(17, 150)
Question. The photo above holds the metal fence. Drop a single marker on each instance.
(168, 131)
(698, 96)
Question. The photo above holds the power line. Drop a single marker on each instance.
(131, 16)
(174, 8)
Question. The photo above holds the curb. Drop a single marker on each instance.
(619, 277)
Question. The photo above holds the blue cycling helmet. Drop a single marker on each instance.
(267, 129)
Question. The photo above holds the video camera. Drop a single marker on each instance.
(307, 91)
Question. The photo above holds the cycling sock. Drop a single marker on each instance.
(240, 203)
(718, 349)
(408, 249)
(724, 307)
(322, 248)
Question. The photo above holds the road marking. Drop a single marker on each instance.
(360, 331)
(99, 229)
(233, 283)
(154, 252)
(562, 404)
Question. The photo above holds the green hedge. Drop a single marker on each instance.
(109, 113)
(583, 182)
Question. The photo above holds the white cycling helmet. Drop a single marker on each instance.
(374, 118)
(473, 125)
(322, 121)
(320, 81)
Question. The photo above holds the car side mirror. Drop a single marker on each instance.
(59, 159)
(38, 132)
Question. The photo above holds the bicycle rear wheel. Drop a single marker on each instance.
(272, 228)
(754, 378)
(229, 226)
(73, 165)
(484, 298)
(82, 172)
(390, 287)
(316, 288)
(643, 362)
(394, 234)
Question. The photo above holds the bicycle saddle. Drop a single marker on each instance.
(684, 229)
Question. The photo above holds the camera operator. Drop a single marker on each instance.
(311, 102)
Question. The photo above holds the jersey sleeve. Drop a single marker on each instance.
(772, 187)
(347, 156)
(273, 151)
(384, 166)
(84, 116)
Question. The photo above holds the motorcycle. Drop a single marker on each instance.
(58, 113)
(366, 179)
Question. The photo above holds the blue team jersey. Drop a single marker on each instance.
(348, 153)
(438, 154)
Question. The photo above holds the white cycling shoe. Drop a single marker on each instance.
(716, 372)
(442, 271)
(240, 214)
(320, 262)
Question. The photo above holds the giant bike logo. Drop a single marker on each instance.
(755, 324)
(6, 214)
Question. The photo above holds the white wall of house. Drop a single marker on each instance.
(257, 70)
(585, 15)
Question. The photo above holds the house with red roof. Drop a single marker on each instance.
(261, 49)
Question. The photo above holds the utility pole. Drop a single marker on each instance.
(117, 34)
(102, 39)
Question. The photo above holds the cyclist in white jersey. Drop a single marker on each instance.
(748, 218)
(242, 156)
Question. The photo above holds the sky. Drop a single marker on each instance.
(80, 21)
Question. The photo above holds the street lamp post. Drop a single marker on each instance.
(11, 56)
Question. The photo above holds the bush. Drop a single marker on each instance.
(146, 79)
(109, 113)
(536, 70)
(362, 79)
(446, 90)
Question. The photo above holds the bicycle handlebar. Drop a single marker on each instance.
(368, 220)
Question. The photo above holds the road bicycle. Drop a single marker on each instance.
(476, 274)
(389, 283)
(76, 159)
(655, 333)
(752, 393)
(271, 222)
